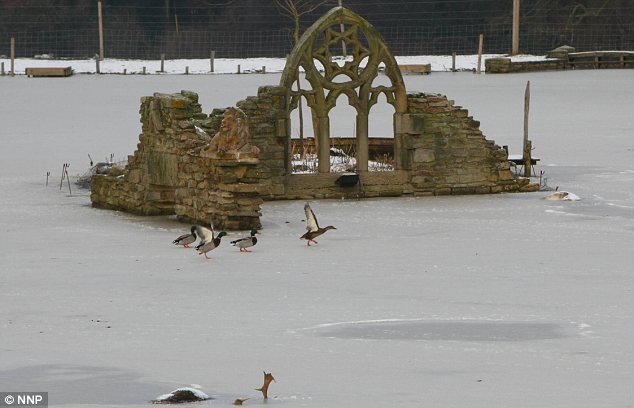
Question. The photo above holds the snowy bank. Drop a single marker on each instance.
(439, 63)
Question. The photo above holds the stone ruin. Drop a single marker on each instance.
(180, 168)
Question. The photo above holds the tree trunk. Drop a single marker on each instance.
(302, 151)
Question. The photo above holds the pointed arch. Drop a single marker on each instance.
(338, 28)
(316, 44)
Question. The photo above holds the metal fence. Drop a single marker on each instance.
(125, 39)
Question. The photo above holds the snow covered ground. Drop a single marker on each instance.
(230, 65)
(473, 301)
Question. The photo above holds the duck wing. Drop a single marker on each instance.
(205, 246)
(205, 234)
(311, 220)
(240, 240)
(245, 242)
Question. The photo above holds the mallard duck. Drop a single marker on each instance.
(312, 227)
(186, 239)
(208, 242)
(246, 242)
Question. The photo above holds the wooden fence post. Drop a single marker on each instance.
(12, 56)
(100, 15)
(527, 143)
(515, 47)
(480, 46)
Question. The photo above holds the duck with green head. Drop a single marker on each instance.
(246, 242)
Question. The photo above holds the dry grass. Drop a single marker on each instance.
(342, 158)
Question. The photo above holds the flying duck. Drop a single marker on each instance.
(186, 239)
(312, 227)
(246, 242)
(207, 240)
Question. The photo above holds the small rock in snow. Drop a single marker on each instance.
(181, 395)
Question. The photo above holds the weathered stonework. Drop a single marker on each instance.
(563, 57)
(504, 65)
(448, 154)
(220, 191)
(172, 173)
(218, 168)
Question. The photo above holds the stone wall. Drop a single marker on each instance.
(175, 170)
(223, 191)
(563, 57)
(371, 184)
(448, 154)
(267, 113)
(150, 179)
(504, 65)
(172, 173)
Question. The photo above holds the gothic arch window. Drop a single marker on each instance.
(318, 53)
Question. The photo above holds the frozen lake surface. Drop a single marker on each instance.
(471, 301)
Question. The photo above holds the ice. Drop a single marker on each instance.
(480, 301)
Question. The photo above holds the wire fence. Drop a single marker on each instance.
(129, 44)
(429, 34)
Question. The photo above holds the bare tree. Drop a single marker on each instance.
(295, 9)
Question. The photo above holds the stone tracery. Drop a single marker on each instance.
(365, 45)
